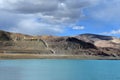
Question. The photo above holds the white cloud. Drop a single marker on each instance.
(22, 15)
(113, 32)
(60, 10)
(51, 17)
(78, 27)
(32, 26)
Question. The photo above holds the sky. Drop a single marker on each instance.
(60, 17)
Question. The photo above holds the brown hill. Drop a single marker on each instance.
(82, 45)
(93, 37)
(100, 40)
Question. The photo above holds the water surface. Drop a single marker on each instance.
(59, 70)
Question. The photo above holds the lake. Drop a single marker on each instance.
(45, 69)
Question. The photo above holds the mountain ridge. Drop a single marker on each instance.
(81, 45)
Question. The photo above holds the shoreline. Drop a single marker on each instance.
(51, 56)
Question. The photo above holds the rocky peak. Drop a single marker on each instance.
(93, 37)
(82, 44)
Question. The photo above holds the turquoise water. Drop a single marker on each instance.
(59, 70)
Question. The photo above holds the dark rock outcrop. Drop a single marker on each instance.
(4, 36)
(81, 44)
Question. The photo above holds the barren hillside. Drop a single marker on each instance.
(81, 45)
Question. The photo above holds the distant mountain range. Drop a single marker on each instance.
(89, 45)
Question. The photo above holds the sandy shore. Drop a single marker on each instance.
(51, 56)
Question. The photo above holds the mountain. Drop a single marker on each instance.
(85, 45)
(100, 40)
(93, 37)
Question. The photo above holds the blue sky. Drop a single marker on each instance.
(60, 17)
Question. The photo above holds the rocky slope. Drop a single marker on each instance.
(93, 37)
(100, 40)
(81, 45)
(4, 36)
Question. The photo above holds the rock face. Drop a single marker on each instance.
(93, 37)
(84, 44)
(4, 36)
(73, 45)
(70, 42)
(100, 40)
(76, 43)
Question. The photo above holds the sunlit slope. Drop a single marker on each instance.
(35, 47)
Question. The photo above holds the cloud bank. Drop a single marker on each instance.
(41, 16)
(52, 17)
